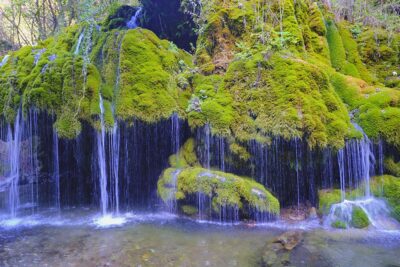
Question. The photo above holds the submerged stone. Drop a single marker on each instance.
(290, 240)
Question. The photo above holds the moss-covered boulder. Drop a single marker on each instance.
(359, 218)
(223, 189)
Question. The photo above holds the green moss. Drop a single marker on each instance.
(359, 218)
(339, 224)
(337, 51)
(316, 21)
(379, 52)
(327, 198)
(186, 156)
(288, 97)
(355, 67)
(148, 89)
(67, 125)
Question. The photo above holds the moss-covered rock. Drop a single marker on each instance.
(339, 224)
(224, 189)
(359, 218)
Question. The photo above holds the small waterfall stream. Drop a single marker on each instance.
(101, 140)
(14, 142)
(133, 22)
(4, 60)
(359, 159)
(56, 170)
(78, 44)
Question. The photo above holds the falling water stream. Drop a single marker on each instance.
(14, 142)
(133, 22)
(4, 60)
(359, 159)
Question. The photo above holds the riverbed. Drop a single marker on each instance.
(80, 238)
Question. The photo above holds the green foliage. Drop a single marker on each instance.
(359, 218)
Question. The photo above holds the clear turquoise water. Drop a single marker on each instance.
(73, 239)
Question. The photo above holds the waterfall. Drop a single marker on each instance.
(4, 60)
(380, 157)
(359, 159)
(175, 140)
(38, 55)
(14, 143)
(175, 133)
(114, 155)
(201, 198)
(101, 153)
(342, 173)
(172, 203)
(133, 22)
(207, 145)
(221, 149)
(297, 174)
(56, 170)
(376, 210)
(364, 159)
(78, 44)
(33, 158)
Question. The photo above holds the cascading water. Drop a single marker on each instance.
(359, 159)
(78, 44)
(101, 153)
(4, 60)
(133, 22)
(38, 55)
(380, 157)
(341, 165)
(175, 136)
(56, 170)
(14, 142)
(297, 173)
(201, 198)
(33, 171)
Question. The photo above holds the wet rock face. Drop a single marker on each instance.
(120, 17)
(168, 20)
